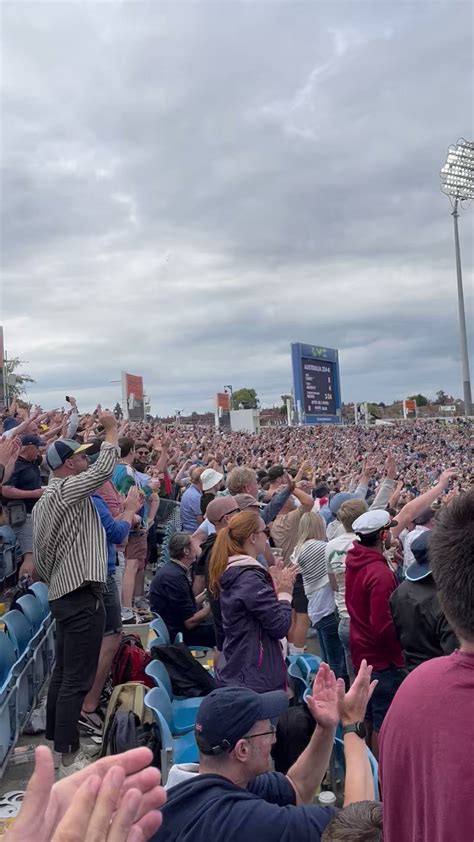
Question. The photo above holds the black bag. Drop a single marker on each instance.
(126, 733)
(188, 677)
(294, 731)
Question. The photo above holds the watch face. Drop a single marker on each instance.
(361, 730)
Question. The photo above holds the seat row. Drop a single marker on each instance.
(27, 655)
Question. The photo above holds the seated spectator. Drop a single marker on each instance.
(426, 742)
(233, 794)
(359, 822)
(172, 598)
(369, 584)
(254, 617)
(421, 626)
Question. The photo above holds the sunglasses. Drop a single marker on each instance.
(232, 512)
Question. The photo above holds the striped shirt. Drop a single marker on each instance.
(69, 541)
(311, 559)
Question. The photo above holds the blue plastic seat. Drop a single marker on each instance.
(297, 681)
(174, 749)
(7, 660)
(180, 716)
(19, 630)
(40, 590)
(184, 710)
(339, 742)
(31, 608)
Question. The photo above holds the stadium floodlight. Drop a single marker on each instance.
(457, 177)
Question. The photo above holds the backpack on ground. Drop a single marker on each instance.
(188, 677)
(130, 662)
(129, 723)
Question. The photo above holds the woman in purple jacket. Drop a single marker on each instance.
(255, 606)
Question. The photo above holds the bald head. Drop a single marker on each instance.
(220, 510)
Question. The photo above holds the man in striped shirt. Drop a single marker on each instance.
(70, 552)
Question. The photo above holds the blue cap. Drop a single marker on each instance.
(341, 497)
(421, 567)
(31, 439)
(226, 715)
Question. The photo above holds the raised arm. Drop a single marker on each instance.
(278, 500)
(416, 506)
(76, 488)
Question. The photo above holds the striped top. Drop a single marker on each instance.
(311, 559)
(69, 541)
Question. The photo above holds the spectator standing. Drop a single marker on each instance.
(370, 582)
(25, 486)
(420, 623)
(427, 773)
(191, 516)
(254, 616)
(70, 551)
(335, 555)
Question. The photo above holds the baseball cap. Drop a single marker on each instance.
(373, 521)
(421, 567)
(341, 497)
(227, 714)
(63, 449)
(30, 438)
(209, 478)
(246, 501)
(221, 506)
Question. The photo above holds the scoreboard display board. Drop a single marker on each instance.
(316, 384)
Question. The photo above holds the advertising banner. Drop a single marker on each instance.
(133, 397)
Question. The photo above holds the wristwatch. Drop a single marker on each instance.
(356, 728)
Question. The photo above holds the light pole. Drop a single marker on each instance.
(457, 178)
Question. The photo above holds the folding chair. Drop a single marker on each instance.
(174, 749)
(184, 710)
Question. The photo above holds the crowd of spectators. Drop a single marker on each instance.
(363, 537)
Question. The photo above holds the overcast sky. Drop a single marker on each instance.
(189, 187)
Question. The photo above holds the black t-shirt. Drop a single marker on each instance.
(210, 807)
(26, 477)
(172, 598)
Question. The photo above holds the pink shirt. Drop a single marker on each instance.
(427, 754)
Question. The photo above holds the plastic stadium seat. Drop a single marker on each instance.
(161, 629)
(184, 710)
(180, 716)
(40, 590)
(7, 659)
(31, 608)
(297, 681)
(174, 750)
(19, 631)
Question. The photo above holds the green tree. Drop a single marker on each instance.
(19, 386)
(441, 397)
(420, 400)
(247, 398)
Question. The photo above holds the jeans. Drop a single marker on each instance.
(79, 619)
(389, 681)
(343, 631)
(331, 647)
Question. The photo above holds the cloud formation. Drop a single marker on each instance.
(189, 187)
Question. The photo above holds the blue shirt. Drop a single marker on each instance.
(210, 807)
(116, 531)
(191, 509)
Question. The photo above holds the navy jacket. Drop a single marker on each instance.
(210, 808)
(253, 620)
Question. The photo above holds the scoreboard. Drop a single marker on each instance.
(316, 384)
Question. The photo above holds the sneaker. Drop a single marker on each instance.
(92, 723)
(137, 619)
(141, 604)
(80, 761)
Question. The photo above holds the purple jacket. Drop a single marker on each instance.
(254, 620)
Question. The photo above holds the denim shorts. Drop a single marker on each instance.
(113, 611)
(389, 681)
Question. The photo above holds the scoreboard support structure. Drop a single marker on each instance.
(316, 384)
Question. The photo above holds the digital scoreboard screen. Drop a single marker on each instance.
(318, 387)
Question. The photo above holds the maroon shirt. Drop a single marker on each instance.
(426, 754)
(369, 585)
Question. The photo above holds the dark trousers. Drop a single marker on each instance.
(332, 651)
(202, 635)
(80, 620)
